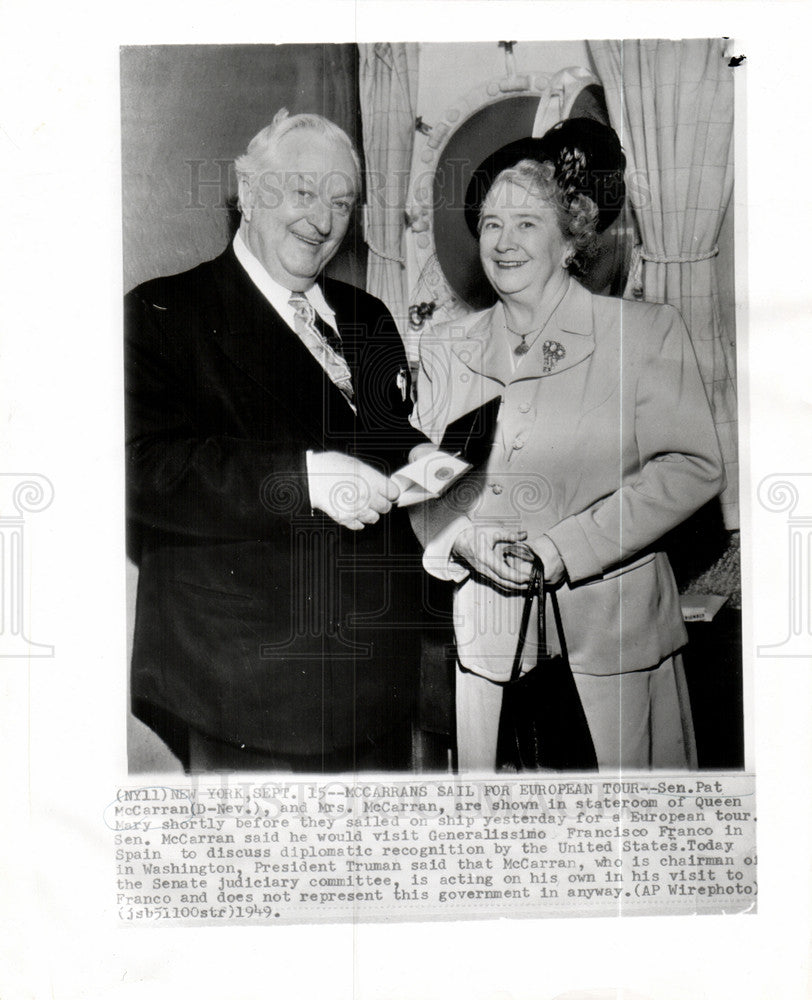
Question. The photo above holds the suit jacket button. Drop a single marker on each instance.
(524, 407)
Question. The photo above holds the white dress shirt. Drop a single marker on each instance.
(278, 295)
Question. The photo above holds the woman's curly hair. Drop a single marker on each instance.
(562, 187)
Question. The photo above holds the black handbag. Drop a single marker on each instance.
(542, 725)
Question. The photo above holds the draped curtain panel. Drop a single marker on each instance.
(671, 102)
(388, 94)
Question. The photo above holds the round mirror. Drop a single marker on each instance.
(447, 252)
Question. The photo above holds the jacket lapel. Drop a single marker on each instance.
(482, 348)
(263, 346)
(569, 330)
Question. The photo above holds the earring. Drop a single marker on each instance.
(565, 263)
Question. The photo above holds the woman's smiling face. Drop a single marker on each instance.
(520, 243)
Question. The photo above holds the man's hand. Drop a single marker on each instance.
(486, 550)
(347, 490)
(419, 450)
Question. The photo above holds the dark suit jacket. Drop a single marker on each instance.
(259, 621)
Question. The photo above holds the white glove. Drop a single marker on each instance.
(347, 490)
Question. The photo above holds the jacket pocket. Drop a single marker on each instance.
(629, 619)
(612, 574)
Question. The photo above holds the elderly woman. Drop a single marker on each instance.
(604, 443)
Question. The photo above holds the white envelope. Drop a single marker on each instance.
(428, 477)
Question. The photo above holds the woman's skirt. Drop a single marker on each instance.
(638, 720)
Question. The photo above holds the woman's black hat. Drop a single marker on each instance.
(587, 159)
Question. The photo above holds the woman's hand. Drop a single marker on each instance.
(554, 568)
(544, 549)
(487, 550)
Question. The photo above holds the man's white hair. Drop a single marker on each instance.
(263, 146)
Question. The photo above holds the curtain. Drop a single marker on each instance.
(388, 95)
(671, 102)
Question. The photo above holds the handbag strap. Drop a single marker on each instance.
(562, 642)
(534, 589)
(538, 588)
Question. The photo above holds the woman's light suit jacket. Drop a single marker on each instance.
(604, 454)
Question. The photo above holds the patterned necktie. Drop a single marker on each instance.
(324, 346)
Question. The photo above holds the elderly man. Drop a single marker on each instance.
(265, 414)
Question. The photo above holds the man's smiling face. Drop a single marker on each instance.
(296, 213)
